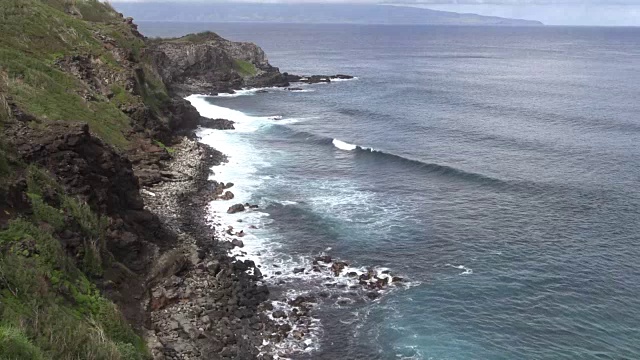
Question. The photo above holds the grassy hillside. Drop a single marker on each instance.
(50, 307)
(36, 34)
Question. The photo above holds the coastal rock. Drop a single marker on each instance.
(217, 124)
(213, 267)
(337, 267)
(236, 208)
(228, 195)
(206, 63)
(302, 299)
(237, 243)
(314, 79)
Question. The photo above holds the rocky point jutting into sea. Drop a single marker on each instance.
(100, 166)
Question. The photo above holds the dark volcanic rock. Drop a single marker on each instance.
(101, 177)
(236, 208)
(314, 79)
(182, 115)
(218, 124)
(228, 195)
(206, 63)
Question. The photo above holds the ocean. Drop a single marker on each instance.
(495, 169)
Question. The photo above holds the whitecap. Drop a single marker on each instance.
(467, 271)
(249, 92)
(343, 145)
(339, 80)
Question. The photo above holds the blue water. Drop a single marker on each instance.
(503, 185)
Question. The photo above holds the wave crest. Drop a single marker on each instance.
(343, 145)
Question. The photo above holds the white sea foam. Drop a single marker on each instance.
(467, 271)
(260, 244)
(338, 80)
(254, 91)
(343, 145)
(248, 92)
(350, 147)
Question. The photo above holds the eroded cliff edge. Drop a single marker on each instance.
(90, 111)
(205, 63)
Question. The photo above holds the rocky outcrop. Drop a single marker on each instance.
(203, 304)
(101, 177)
(314, 79)
(207, 64)
(217, 124)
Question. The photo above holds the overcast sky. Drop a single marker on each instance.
(550, 12)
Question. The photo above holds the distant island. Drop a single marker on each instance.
(307, 13)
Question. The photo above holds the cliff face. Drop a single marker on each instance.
(83, 114)
(206, 63)
(87, 105)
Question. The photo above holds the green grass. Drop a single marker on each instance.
(49, 308)
(245, 68)
(96, 11)
(192, 38)
(169, 149)
(35, 33)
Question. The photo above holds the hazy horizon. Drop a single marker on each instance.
(549, 12)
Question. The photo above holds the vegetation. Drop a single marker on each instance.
(245, 68)
(169, 149)
(192, 38)
(15, 345)
(49, 308)
(50, 305)
(37, 34)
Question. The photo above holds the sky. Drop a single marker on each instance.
(550, 12)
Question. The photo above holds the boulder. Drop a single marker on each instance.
(237, 243)
(217, 124)
(228, 195)
(236, 209)
(342, 77)
(337, 267)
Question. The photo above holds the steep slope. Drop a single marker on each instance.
(89, 110)
(82, 109)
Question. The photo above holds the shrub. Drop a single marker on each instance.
(15, 345)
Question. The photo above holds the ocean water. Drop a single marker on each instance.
(495, 169)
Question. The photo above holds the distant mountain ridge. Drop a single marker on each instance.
(307, 13)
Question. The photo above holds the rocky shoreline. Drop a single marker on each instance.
(207, 297)
(207, 300)
(202, 305)
(134, 169)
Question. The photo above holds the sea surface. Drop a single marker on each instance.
(497, 170)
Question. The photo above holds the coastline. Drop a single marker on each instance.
(201, 303)
(217, 288)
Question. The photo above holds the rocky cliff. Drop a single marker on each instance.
(206, 63)
(89, 112)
